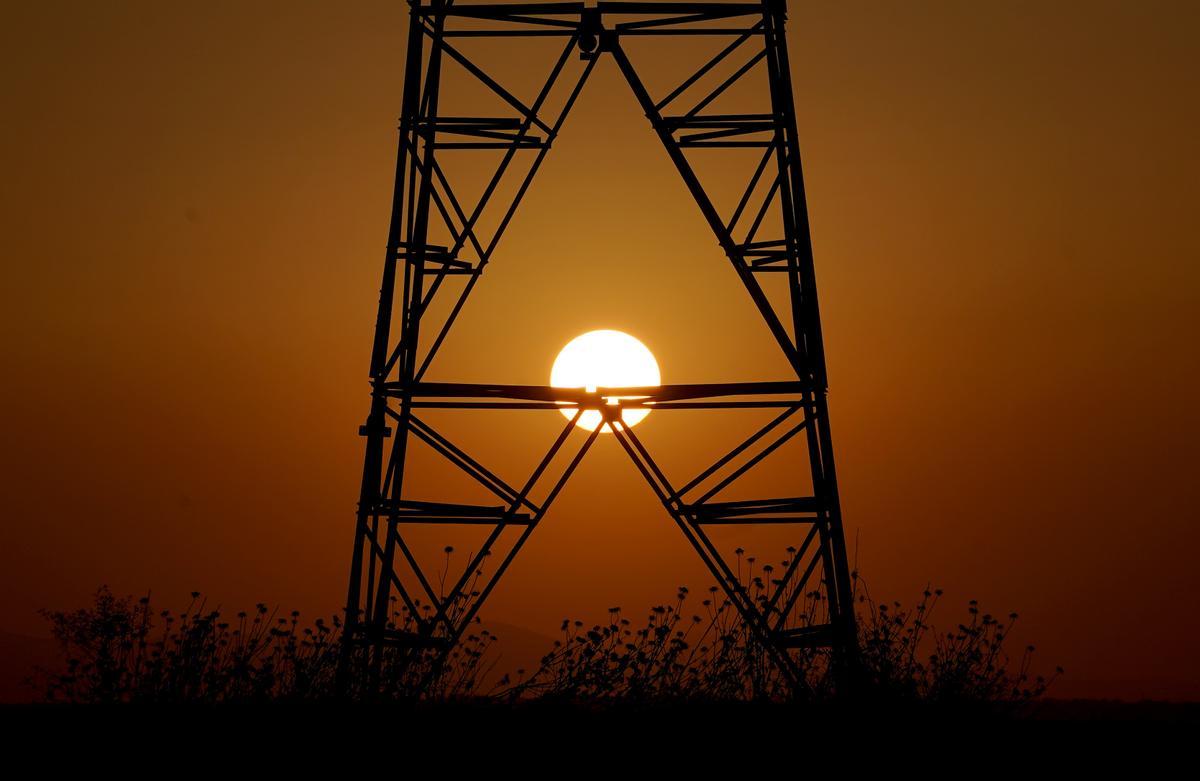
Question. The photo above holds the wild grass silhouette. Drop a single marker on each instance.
(121, 650)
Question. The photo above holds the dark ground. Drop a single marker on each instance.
(1058, 738)
(453, 715)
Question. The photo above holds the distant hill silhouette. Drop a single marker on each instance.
(19, 654)
(516, 648)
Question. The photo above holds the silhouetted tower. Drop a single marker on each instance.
(436, 238)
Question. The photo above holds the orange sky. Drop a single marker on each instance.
(194, 209)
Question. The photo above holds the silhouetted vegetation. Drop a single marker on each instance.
(119, 649)
(713, 656)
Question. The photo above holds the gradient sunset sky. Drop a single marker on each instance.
(1004, 210)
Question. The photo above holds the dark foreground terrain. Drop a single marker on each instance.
(578, 740)
(746, 717)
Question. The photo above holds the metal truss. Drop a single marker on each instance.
(436, 236)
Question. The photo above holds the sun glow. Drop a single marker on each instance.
(605, 359)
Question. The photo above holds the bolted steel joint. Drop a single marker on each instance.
(589, 30)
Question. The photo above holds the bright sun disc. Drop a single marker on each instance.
(605, 359)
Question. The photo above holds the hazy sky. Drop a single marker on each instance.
(1003, 197)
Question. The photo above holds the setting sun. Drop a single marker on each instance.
(605, 359)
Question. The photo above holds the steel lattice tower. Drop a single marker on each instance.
(748, 45)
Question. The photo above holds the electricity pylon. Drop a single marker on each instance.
(436, 237)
